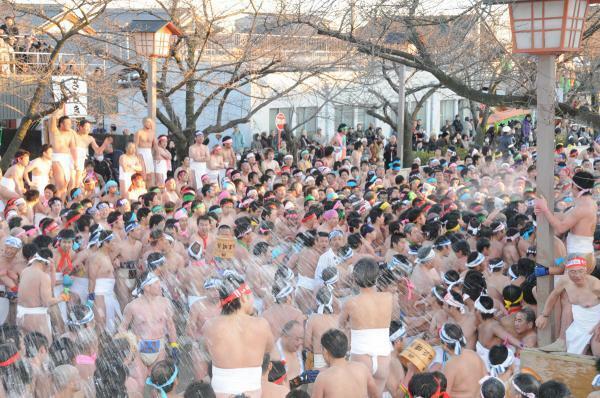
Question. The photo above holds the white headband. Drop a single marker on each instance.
(525, 394)
(427, 258)
(39, 258)
(283, 293)
(150, 279)
(449, 340)
(448, 299)
(477, 261)
(479, 307)
(13, 241)
(498, 228)
(89, 316)
(497, 370)
(323, 306)
(498, 265)
(398, 334)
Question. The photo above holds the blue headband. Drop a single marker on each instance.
(75, 193)
(161, 387)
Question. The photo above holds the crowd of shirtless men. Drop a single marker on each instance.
(307, 275)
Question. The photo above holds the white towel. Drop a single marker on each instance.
(235, 381)
(579, 334)
(319, 361)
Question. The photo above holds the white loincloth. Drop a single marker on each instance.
(199, 169)
(65, 160)
(161, 167)
(236, 381)
(319, 361)
(372, 342)
(579, 334)
(146, 154)
(306, 282)
(40, 182)
(106, 287)
(483, 353)
(22, 311)
(125, 177)
(577, 244)
(81, 157)
(81, 287)
(213, 175)
(9, 184)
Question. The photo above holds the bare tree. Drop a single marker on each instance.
(60, 34)
(214, 67)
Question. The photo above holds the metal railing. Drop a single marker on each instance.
(29, 62)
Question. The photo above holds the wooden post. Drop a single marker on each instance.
(546, 77)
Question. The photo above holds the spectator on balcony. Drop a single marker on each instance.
(6, 58)
(9, 27)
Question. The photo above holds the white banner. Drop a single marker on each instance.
(76, 89)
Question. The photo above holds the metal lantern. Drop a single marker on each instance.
(153, 38)
(546, 26)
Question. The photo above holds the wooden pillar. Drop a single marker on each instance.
(545, 82)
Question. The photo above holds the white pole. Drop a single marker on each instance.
(401, 101)
(546, 77)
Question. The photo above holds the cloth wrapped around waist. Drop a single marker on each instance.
(22, 311)
(146, 154)
(104, 286)
(373, 342)
(236, 381)
(579, 334)
(483, 353)
(579, 244)
(319, 361)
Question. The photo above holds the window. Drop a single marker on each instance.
(344, 114)
(306, 119)
(274, 111)
(446, 111)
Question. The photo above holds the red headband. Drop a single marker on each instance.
(576, 262)
(72, 219)
(311, 216)
(10, 360)
(50, 227)
(243, 289)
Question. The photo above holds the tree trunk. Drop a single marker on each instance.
(407, 153)
(15, 143)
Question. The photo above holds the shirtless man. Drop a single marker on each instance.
(464, 368)
(145, 142)
(425, 276)
(525, 327)
(397, 373)
(579, 221)
(64, 153)
(457, 310)
(288, 348)
(151, 319)
(490, 332)
(129, 253)
(510, 254)
(229, 157)
(305, 264)
(83, 140)
(283, 310)
(497, 241)
(369, 315)
(40, 169)
(237, 341)
(102, 285)
(318, 323)
(495, 279)
(270, 389)
(162, 160)
(36, 295)
(199, 155)
(583, 292)
(12, 184)
(343, 379)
